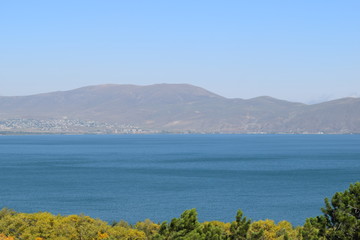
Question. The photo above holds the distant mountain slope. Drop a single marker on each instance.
(185, 108)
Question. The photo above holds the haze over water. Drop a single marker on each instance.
(133, 177)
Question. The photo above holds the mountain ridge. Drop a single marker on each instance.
(185, 108)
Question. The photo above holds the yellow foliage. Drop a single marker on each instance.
(148, 227)
(4, 237)
(135, 234)
(270, 231)
(102, 235)
(46, 226)
(119, 232)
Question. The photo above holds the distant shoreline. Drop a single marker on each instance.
(161, 133)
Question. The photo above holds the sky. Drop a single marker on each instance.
(306, 51)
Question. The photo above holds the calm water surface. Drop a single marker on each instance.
(133, 177)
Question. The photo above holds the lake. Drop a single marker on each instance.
(134, 177)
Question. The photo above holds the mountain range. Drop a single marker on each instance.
(183, 108)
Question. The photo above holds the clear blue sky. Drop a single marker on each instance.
(295, 50)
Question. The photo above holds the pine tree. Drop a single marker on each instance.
(239, 227)
(343, 214)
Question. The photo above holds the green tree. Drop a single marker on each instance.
(239, 227)
(314, 228)
(341, 219)
(342, 214)
(180, 228)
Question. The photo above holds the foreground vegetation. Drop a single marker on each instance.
(340, 220)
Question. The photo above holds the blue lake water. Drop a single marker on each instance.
(133, 177)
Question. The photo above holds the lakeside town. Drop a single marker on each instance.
(65, 126)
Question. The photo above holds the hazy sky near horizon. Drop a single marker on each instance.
(295, 50)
